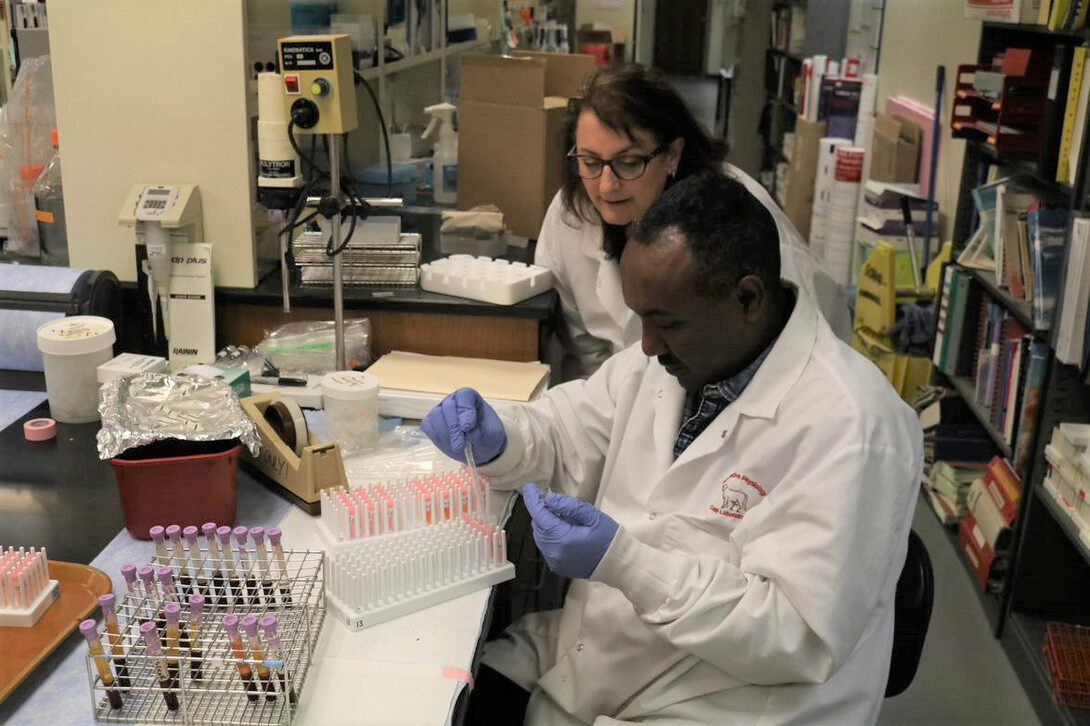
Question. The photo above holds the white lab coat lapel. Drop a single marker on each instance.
(668, 405)
(610, 294)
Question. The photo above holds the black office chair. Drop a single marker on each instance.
(911, 615)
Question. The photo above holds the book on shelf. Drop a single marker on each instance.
(1031, 401)
(838, 105)
(988, 567)
(1071, 333)
(989, 517)
(1055, 102)
(947, 512)
(1003, 487)
(1047, 232)
(953, 478)
(1012, 202)
(959, 442)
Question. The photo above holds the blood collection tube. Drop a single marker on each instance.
(230, 625)
(150, 606)
(155, 652)
(89, 630)
(196, 617)
(267, 587)
(173, 612)
(157, 534)
(272, 638)
(174, 534)
(129, 573)
(166, 579)
(249, 626)
(245, 574)
(113, 633)
(208, 529)
(278, 553)
(196, 563)
(224, 536)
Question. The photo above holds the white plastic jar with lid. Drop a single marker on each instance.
(72, 350)
(350, 400)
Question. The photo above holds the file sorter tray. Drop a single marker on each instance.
(24, 649)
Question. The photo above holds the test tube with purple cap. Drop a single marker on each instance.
(224, 536)
(195, 560)
(208, 529)
(274, 654)
(230, 626)
(166, 579)
(174, 534)
(113, 635)
(249, 626)
(155, 651)
(267, 587)
(173, 612)
(151, 593)
(245, 573)
(158, 536)
(89, 630)
(196, 617)
(278, 553)
(129, 573)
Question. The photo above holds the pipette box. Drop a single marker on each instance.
(130, 364)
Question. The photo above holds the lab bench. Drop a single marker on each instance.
(59, 495)
(402, 318)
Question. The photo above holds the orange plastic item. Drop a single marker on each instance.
(177, 482)
(1067, 656)
(25, 648)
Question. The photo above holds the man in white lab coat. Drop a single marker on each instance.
(752, 481)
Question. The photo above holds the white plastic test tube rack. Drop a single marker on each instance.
(398, 506)
(25, 588)
(483, 278)
(377, 579)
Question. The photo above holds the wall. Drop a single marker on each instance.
(748, 101)
(920, 35)
(618, 14)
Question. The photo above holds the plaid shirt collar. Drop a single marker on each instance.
(702, 408)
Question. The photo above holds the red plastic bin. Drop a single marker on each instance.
(177, 482)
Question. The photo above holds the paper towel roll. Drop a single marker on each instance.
(868, 103)
(840, 223)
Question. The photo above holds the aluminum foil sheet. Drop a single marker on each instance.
(151, 407)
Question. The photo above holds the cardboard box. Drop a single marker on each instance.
(1003, 11)
(895, 154)
(511, 141)
(799, 201)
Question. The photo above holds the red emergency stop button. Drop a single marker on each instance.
(291, 84)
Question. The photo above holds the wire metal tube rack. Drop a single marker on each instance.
(205, 683)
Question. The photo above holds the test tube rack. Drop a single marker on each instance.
(483, 278)
(26, 591)
(376, 579)
(219, 695)
(354, 513)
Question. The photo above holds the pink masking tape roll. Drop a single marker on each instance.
(40, 429)
(458, 674)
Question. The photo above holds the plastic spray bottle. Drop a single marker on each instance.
(445, 162)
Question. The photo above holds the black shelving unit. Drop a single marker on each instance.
(1063, 519)
(1022, 310)
(964, 387)
(1023, 642)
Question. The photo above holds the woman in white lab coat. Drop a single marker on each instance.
(736, 572)
(633, 137)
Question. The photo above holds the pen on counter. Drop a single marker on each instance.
(194, 559)
(267, 587)
(245, 574)
(196, 617)
(230, 625)
(89, 630)
(155, 652)
(224, 535)
(249, 626)
(278, 553)
(113, 633)
(272, 637)
(208, 529)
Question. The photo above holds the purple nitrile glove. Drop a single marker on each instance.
(572, 535)
(465, 416)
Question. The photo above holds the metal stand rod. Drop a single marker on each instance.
(338, 282)
(285, 240)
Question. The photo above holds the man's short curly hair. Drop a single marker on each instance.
(728, 230)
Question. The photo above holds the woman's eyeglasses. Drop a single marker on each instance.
(626, 167)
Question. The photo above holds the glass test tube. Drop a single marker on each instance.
(196, 617)
(249, 626)
(224, 536)
(272, 637)
(230, 625)
(173, 613)
(174, 534)
(208, 529)
(194, 558)
(278, 553)
(267, 587)
(158, 536)
(166, 579)
(155, 652)
(129, 573)
(89, 630)
(245, 575)
(117, 649)
(151, 593)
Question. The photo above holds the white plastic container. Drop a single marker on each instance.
(481, 278)
(72, 350)
(350, 400)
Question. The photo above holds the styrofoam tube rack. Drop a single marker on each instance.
(483, 278)
(377, 579)
(400, 505)
(26, 591)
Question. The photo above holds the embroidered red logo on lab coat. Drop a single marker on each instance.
(739, 494)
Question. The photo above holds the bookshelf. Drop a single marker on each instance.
(1048, 573)
(989, 603)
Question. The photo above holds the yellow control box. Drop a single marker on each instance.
(319, 87)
